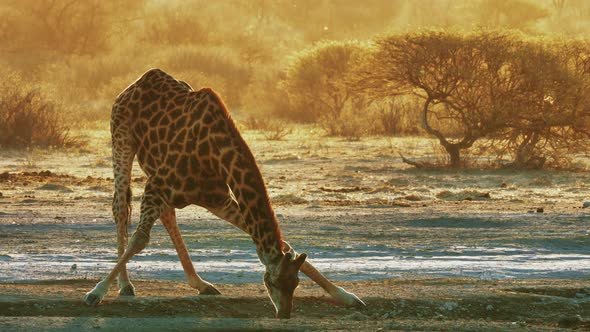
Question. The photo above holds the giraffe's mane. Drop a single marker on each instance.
(249, 157)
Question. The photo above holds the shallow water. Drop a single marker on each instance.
(224, 255)
(246, 268)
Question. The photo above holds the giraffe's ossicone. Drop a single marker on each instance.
(192, 153)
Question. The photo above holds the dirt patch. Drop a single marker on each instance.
(465, 195)
(342, 190)
(423, 304)
(55, 187)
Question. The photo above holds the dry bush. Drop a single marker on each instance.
(390, 117)
(395, 117)
(174, 26)
(529, 97)
(273, 130)
(550, 121)
(256, 123)
(28, 119)
(263, 99)
(316, 81)
(277, 131)
(347, 125)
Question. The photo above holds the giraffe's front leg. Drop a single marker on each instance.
(338, 293)
(168, 219)
(151, 206)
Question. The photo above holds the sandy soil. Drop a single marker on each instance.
(420, 304)
(426, 250)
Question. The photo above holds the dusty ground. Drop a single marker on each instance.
(427, 250)
(423, 304)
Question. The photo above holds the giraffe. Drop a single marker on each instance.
(192, 153)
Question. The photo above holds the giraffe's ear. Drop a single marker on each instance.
(299, 260)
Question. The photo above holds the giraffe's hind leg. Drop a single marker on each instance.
(151, 207)
(168, 218)
(123, 153)
(126, 288)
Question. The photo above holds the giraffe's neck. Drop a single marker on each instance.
(247, 185)
(259, 217)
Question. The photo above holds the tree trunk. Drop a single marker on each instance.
(453, 149)
(454, 152)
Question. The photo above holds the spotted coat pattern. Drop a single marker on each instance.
(192, 153)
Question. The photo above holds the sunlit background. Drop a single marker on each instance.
(83, 53)
(428, 152)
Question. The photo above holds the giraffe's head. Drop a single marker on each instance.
(281, 282)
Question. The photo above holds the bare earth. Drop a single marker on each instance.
(423, 304)
(426, 250)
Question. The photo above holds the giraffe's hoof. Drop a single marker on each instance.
(358, 303)
(349, 299)
(210, 290)
(92, 299)
(128, 290)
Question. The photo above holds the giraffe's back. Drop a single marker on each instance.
(167, 120)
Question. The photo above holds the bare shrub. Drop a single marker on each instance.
(347, 125)
(255, 123)
(550, 121)
(390, 117)
(395, 116)
(316, 80)
(174, 26)
(272, 130)
(262, 97)
(277, 131)
(28, 119)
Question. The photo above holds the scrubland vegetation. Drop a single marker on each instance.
(506, 79)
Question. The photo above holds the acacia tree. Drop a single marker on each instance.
(529, 99)
(459, 78)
